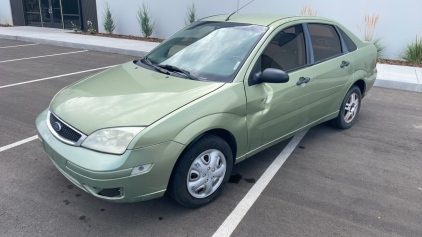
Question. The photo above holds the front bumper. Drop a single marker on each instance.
(95, 172)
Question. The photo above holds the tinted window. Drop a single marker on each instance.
(286, 51)
(325, 41)
(351, 46)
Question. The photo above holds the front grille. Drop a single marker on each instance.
(65, 132)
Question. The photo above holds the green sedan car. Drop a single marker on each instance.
(213, 94)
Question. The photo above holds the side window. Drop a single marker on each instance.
(325, 41)
(351, 46)
(286, 51)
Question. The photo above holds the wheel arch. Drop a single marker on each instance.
(232, 128)
(179, 189)
(361, 85)
(229, 127)
(224, 134)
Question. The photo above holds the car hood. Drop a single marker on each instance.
(126, 95)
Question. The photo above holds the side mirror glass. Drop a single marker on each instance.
(269, 75)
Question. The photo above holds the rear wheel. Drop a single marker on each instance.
(349, 109)
(201, 172)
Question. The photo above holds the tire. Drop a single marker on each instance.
(201, 172)
(349, 109)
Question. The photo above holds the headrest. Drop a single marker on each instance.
(285, 38)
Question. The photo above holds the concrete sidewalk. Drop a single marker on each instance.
(389, 76)
(65, 38)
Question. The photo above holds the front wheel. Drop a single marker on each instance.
(201, 172)
(349, 109)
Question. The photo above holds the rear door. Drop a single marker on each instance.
(333, 69)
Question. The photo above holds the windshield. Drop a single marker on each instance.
(209, 51)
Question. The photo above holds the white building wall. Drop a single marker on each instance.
(400, 20)
(5, 12)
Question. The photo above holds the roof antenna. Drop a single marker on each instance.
(238, 9)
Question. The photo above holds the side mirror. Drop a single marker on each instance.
(269, 75)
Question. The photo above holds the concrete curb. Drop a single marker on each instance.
(398, 85)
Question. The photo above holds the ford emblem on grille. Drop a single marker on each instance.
(57, 126)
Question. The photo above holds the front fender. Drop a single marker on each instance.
(234, 124)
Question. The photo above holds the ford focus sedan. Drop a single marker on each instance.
(210, 96)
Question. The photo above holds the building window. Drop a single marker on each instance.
(32, 13)
(71, 14)
(52, 13)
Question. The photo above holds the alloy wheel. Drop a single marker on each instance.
(351, 107)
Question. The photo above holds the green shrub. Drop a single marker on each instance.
(413, 51)
(191, 15)
(145, 21)
(6, 23)
(91, 30)
(380, 46)
(74, 27)
(108, 22)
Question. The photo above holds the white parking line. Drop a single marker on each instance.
(233, 220)
(18, 143)
(51, 55)
(14, 46)
(53, 77)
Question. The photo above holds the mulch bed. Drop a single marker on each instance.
(131, 37)
(399, 63)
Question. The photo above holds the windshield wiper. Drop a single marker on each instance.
(157, 68)
(179, 70)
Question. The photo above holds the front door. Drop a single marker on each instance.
(277, 110)
(51, 13)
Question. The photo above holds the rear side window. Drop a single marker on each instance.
(325, 41)
(351, 46)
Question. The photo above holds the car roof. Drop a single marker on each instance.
(258, 19)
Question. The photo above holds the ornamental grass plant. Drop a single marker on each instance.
(191, 14)
(308, 11)
(413, 51)
(368, 31)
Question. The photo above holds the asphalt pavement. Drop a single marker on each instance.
(365, 181)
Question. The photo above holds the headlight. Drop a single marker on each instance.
(111, 140)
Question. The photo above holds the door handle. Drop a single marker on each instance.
(303, 80)
(344, 64)
(50, 10)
